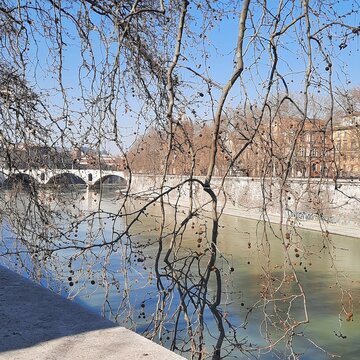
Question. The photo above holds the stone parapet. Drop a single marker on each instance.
(309, 203)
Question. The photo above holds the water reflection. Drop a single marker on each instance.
(127, 264)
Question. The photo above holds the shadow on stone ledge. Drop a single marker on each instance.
(30, 314)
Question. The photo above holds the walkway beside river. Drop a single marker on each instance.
(38, 324)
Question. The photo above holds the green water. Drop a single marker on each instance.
(257, 272)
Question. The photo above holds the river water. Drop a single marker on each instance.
(260, 296)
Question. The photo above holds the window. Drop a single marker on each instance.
(90, 177)
(313, 152)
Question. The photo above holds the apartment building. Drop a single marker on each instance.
(346, 137)
(310, 148)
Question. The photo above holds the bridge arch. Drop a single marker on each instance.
(110, 179)
(19, 179)
(65, 179)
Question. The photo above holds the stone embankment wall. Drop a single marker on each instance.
(299, 200)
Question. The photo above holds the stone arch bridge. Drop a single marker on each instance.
(88, 177)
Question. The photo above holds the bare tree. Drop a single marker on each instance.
(156, 83)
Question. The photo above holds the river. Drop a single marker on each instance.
(267, 289)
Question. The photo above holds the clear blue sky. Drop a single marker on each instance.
(219, 49)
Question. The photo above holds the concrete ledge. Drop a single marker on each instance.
(38, 324)
(110, 344)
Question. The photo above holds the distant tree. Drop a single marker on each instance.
(348, 101)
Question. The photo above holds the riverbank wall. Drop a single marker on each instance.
(316, 204)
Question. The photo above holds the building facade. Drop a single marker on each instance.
(346, 137)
